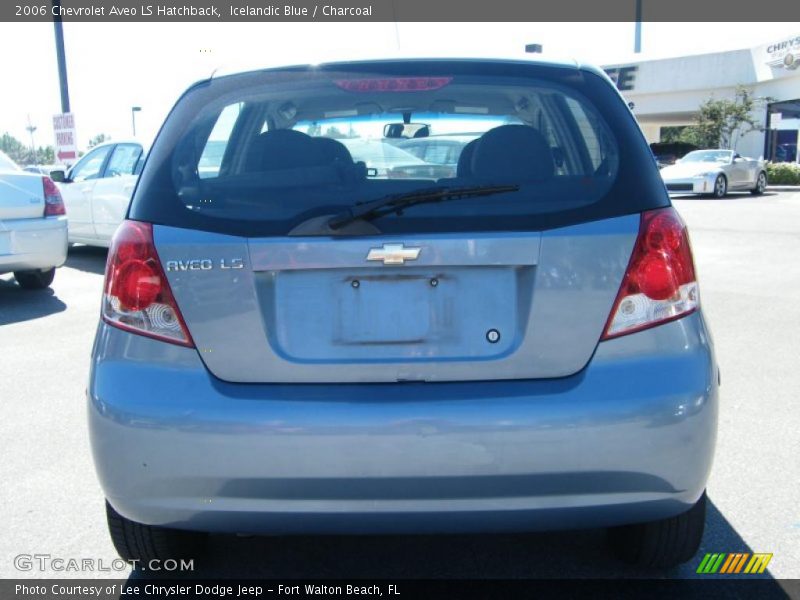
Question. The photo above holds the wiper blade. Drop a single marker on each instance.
(396, 203)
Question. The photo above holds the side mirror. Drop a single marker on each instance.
(59, 176)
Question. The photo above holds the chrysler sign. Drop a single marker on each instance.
(623, 77)
(785, 54)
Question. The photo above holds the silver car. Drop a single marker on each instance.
(33, 226)
(294, 343)
(715, 173)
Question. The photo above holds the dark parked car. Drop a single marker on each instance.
(443, 150)
(667, 153)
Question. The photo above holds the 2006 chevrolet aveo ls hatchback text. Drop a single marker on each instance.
(307, 329)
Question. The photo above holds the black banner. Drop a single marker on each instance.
(399, 10)
(225, 589)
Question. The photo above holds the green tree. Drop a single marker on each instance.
(722, 123)
(672, 133)
(334, 132)
(45, 155)
(16, 150)
(22, 154)
(99, 139)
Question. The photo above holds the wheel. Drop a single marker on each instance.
(143, 543)
(761, 184)
(35, 280)
(664, 543)
(720, 187)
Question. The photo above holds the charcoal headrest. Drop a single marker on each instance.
(513, 152)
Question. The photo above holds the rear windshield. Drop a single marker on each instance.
(269, 153)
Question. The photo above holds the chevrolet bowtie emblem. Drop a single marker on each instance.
(393, 254)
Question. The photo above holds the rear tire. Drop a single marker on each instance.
(143, 543)
(761, 184)
(35, 280)
(662, 544)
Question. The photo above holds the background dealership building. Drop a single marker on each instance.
(668, 92)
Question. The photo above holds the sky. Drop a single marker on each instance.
(114, 66)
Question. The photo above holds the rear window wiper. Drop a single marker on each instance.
(396, 203)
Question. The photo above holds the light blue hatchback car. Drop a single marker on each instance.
(300, 334)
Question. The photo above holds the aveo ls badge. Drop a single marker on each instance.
(204, 264)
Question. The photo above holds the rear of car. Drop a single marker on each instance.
(440, 152)
(294, 341)
(33, 226)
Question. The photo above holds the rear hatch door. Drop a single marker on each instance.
(468, 307)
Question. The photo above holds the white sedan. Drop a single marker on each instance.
(715, 172)
(98, 189)
(33, 226)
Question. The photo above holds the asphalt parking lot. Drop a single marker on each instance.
(747, 252)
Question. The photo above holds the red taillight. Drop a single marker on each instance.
(660, 283)
(393, 84)
(53, 203)
(137, 296)
(137, 285)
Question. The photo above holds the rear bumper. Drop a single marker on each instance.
(630, 438)
(29, 244)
